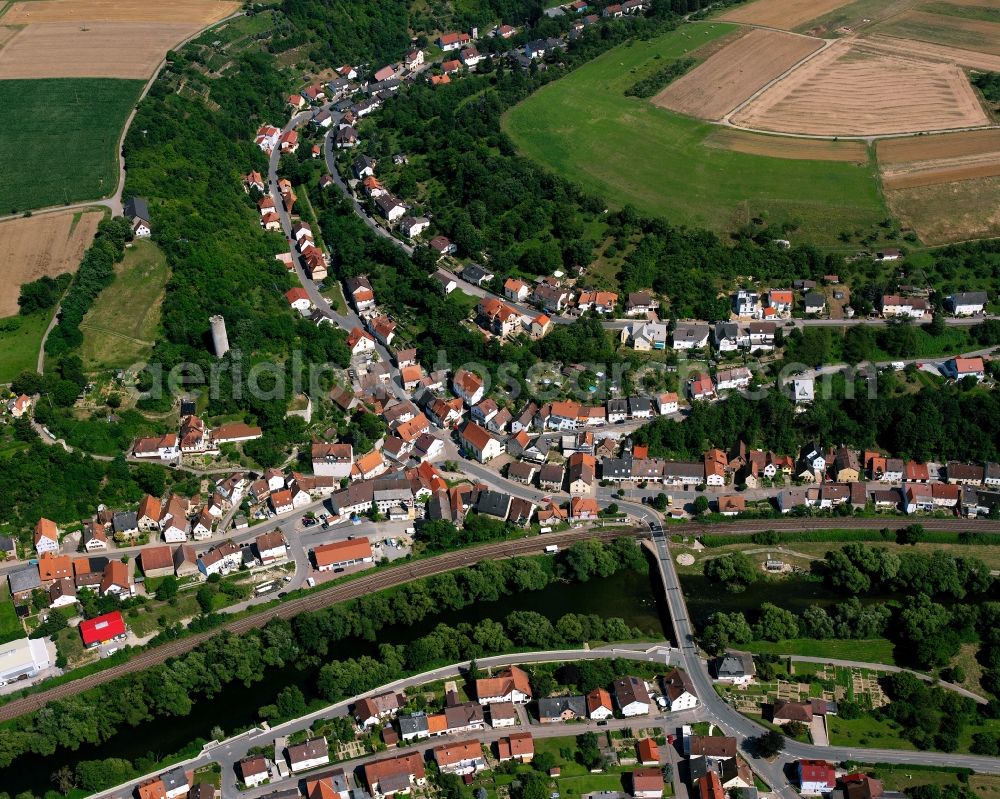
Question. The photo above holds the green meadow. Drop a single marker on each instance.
(631, 152)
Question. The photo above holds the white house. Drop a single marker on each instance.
(302, 757)
(680, 691)
(745, 303)
(690, 336)
(480, 443)
(967, 303)
(667, 403)
(959, 368)
(46, 536)
(816, 776)
(298, 299)
(632, 696)
(332, 460)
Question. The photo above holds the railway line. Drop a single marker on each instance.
(369, 583)
(399, 575)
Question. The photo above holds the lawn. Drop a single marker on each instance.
(122, 325)
(10, 625)
(61, 141)
(876, 650)
(629, 151)
(20, 339)
(867, 732)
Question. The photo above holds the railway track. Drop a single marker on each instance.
(377, 581)
(399, 575)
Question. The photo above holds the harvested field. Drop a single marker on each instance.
(951, 31)
(785, 14)
(928, 160)
(788, 147)
(946, 145)
(949, 212)
(201, 12)
(735, 72)
(49, 244)
(933, 52)
(101, 49)
(849, 90)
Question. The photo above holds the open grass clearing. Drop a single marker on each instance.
(873, 650)
(61, 140)
(121, 326)
(629, 151)
(19, 344)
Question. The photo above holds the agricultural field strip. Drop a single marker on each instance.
(738, 71)
(895, 45)
(48, 244)
(921, 161)
(970, 34)
(795, 148)
(204, 12)
(783, 14)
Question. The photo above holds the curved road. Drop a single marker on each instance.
(352, 589)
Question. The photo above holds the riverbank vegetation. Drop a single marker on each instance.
(308, 640)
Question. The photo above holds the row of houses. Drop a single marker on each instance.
(193, 438)
(61, 577)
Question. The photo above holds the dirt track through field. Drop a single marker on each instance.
(735, 72)
(787, 147)
(784, 14)
(48, 244)
(850, 90)
(947, 145)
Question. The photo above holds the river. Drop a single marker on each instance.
(632, 595)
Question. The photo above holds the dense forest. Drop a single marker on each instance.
(307, 642)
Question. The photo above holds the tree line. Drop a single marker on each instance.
(307, 641)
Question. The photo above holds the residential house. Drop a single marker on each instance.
(645, 336)
(469, 386)
(960, 368)
(510, 685)
(516, 290)
(680, 690)
(550, 477)
(137, 212)
(413, 226)
(967, 303)
(476, 274)
(503, 714)
(519, 746)
(648, 753)
(460, 757)
(46, 536)
(453, 41)
(814, 303)
(667, 403)
(780, 300)
(332, 459)
(23, 582)
(647, 783)
(734, 667)
(372, 710)
(816, 776)
(479, 442)
(701, 387)
(745, 303)
(395, 775)
(582, 473)
(690, 336)
(632, 696)
(603, 302)
(253, 771)
(736, 378)
(640, 303)
(157, 561)
(309, 754)
(555, 709)
(895, 305)
(599, 707)
(221, 559)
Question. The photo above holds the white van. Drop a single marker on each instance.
(311, 582)
(551, 549)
